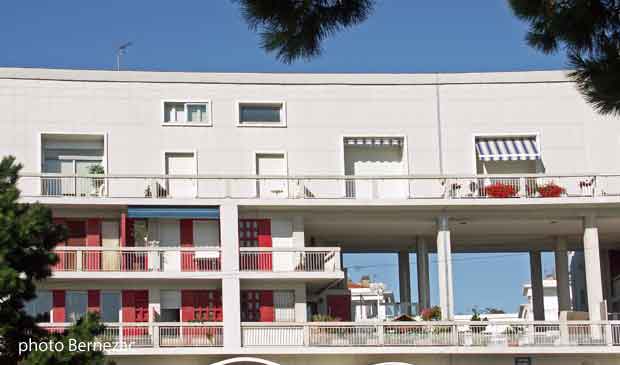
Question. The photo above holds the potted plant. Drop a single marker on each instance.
(586, 186)
(551, 190)
(455, 190)
(500, 190)
(96, 182)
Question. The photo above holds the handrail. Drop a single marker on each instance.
(288, 249)
(138, 248)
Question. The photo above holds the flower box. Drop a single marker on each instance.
(551, 190)
(500, 190)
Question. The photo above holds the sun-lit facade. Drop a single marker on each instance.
(208, 213)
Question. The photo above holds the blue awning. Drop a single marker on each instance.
(174, 212)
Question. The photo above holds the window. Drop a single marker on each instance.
(187, 113)
(40, 306)
(76, 304)
(170, 306)
(110, 306)
(262, 114)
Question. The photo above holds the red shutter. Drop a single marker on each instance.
(264, 233)
(217, 306)
(93, 301)
(92, 259)
(129, 306)
(77, 232)
(58, 305)
(126, 230)
(141, 298)
(264, 240)
(339, 306)
(266, 306)
(187, 305)
(187, 240)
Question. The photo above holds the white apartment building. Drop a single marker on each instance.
(208, 211)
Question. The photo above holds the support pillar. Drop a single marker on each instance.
(231, 287)
(538, 294)
(424, 292)
(444, 265)
(561, 275)
(404, 280)
(592, 260)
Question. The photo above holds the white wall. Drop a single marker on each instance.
(573, 137)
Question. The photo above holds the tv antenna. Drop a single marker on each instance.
(120, 51)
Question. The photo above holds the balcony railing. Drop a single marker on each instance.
(173, 334)
(320, 187)
(459, 334)
(137, 259)
(305, 259)
(494, 335)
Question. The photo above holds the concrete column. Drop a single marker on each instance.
(229, 232)
(424, 291)
(231, 303)
(298, 231)
(605, 273)
(444, 265)
(592, 259)
(538, 294)
(301, 310)
(231, 296)
(561, 274)
(404, 279)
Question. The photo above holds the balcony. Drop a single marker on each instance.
(136, 260)
(140, 335)
(392, 337)
(306, 259)
(432, 334)
(161, 187)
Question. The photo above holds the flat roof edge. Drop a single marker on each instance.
(44, 74)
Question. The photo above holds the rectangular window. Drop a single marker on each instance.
(110, 306)
(76, 305)
(170, 306)
(40, 306)
(184, 113)
(262, 114)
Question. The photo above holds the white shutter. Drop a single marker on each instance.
(284, 304)
(170, 299)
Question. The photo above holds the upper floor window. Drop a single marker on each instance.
(187, 113)
(508, 154)
(271, 114)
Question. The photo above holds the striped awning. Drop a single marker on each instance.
(507, 148)
(173, 212)
(373, 141)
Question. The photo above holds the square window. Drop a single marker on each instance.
(197, 113)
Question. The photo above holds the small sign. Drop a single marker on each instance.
(523, 361)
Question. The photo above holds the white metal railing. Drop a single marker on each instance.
(320, 187)
(137, 259)
(303, 259)
(149, 334)
(461, 334)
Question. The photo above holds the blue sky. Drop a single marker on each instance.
(200, 35)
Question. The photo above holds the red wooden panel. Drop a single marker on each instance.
(266, 306)
(339, 306)
(141, 298)
(264, 233)
(187, 305)
(77, 232)
(58, 306)
(93, 301)
(92, 259)
(129, 304)
(250, 305)
(187, 240)
(127, 238)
